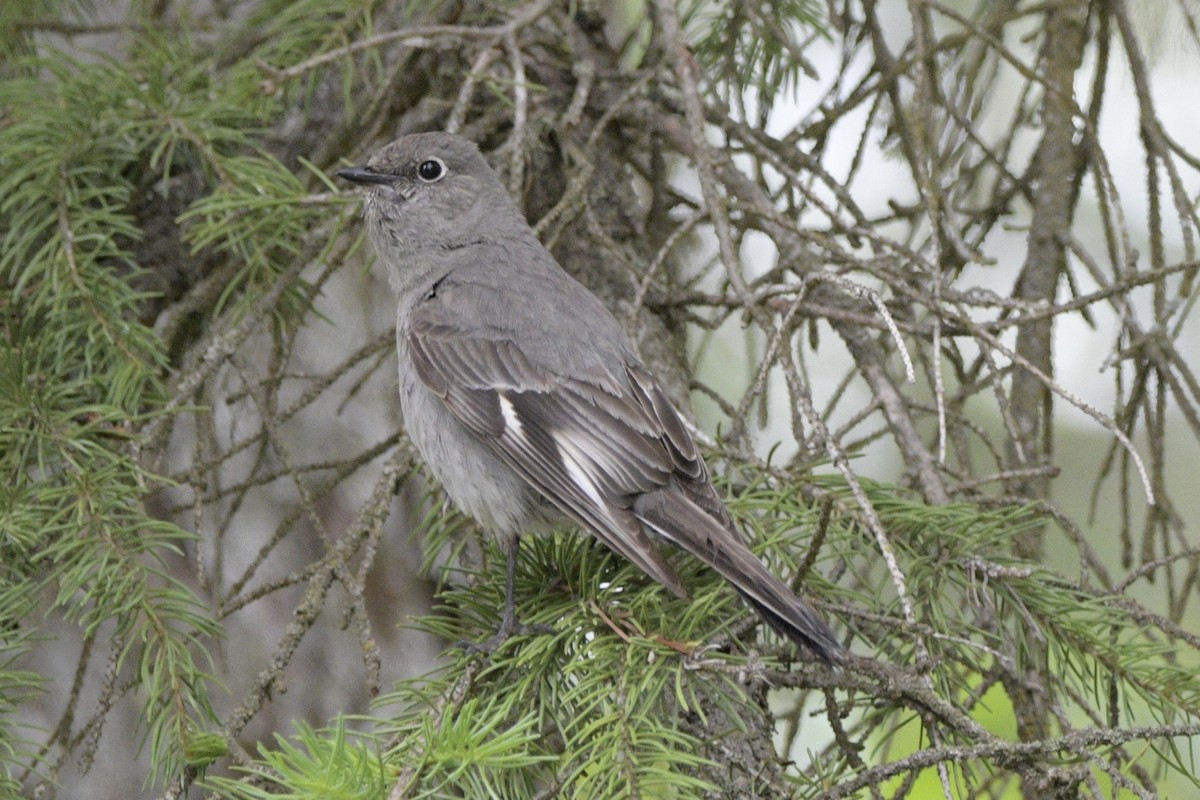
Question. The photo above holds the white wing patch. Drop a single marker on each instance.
(660, 530)
(511, 421)
(577, 467)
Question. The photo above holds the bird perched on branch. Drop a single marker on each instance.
(523, 395)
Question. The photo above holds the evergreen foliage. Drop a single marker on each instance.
(169, 233)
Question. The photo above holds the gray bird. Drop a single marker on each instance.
(522, 393)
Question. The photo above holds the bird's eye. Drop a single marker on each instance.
(431, 170)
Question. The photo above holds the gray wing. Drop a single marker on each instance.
(591, 443)
(606, 447)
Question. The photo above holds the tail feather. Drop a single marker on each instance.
(671, 514)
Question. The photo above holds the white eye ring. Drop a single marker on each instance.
(431, 170)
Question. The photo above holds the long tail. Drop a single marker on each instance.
(670, 513)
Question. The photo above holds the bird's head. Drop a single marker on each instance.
(430, 191)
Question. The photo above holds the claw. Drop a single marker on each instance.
(509, 626)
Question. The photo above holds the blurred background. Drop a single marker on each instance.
(784, 202)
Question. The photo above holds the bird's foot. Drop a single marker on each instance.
(509, 627)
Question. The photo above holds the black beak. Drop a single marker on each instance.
(364, 175)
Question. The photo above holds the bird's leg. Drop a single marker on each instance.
(509, 625)
(508, 619)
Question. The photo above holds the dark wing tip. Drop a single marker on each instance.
(803, 627)
(678, 518)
